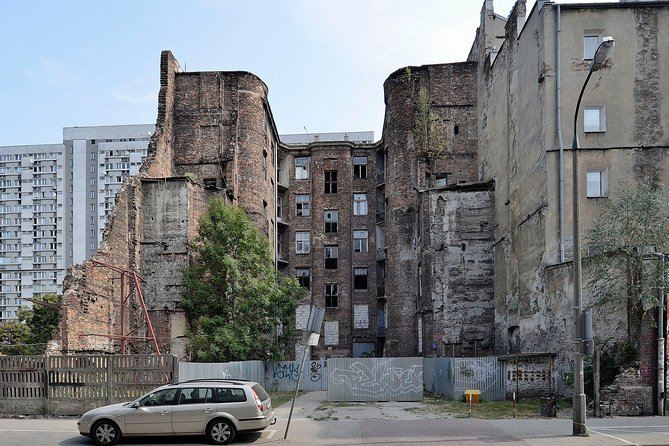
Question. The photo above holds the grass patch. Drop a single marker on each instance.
(490, 410)
(281, 398)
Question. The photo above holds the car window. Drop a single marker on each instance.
(260, 392)
(163, 397)
(195, 395)
(230, 395)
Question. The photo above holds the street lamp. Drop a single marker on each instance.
(579, 427)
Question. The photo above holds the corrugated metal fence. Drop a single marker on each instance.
(274, 375)
(71, 385)
(375, 379)
(452, 376)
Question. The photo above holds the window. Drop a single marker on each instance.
(330, 181)
(302, 205)
(331, 256)
(360, 278)
(209, 183)
(163, 397)
(231, 395)
(302, 242)
(360, 241)
(597, 181)
(331, 295)
(302, 168)
(594, 119)
(331, 219)
(304, 277)
(359, 167)
(441, 180)
(456, 129)
(279, 207)
(591, 41)
(195, 395)
(359, 204)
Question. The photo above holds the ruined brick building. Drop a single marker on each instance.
(465, 253)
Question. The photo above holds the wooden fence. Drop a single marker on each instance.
(71, 385)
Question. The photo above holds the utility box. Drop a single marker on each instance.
(472, 395)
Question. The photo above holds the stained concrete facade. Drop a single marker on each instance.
(527, 92)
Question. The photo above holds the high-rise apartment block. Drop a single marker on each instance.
(55, 199)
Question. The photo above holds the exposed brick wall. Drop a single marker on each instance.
(454, 102)
(210, 125)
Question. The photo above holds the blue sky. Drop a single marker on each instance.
(78, 63)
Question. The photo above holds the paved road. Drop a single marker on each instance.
(314, 424)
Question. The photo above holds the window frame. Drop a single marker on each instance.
(331, 295)
(331, 221)
(356, 275)
(601, 115)
(302, 208)
(305, 248)
(588, 51)
(360, 206)
(600, 187)
(359, 168)
(302, 170)
(331, 257)
(300, 278)
(361, 240)
(330, 182)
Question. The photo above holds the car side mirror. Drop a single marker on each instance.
(135, 405)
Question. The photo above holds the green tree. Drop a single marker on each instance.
(33, 328)
(14, 337)
(237, 305)
(623, 271)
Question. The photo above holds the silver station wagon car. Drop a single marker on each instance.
(215, 408)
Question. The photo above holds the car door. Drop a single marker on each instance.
(152, 414)
(192, 411)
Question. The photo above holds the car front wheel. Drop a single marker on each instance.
(106, 433)
(221, 431)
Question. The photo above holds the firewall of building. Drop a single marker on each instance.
(465, 253)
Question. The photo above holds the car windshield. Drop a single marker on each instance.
(164, 397)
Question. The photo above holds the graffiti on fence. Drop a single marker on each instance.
(285, 370)
(478, 374)
(315, 371)
(380, 380)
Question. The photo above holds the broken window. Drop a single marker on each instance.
(360, 278)
(331, 295)
(359, 204)
(304, 277)
(360, 241)
(331, 220)
(360, 167)
(302, 207)
(331, 256)
(302, 242)
(302, 168)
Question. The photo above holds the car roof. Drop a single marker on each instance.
(234, 382)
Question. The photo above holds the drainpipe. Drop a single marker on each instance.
(660, 347)
(559, 130)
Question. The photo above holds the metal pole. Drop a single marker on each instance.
(579, 427)
(297, 387)
(578, 402)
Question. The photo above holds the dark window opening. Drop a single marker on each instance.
(331, 295)
(360, 278)
(330, 181)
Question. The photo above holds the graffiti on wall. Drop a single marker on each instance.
(377, 380)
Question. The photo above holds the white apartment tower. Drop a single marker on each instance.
(98, 159)
(31, 236)
(54, 201)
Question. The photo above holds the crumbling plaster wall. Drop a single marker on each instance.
(452, 92)
(458, 265)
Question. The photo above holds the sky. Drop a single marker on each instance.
(72, 63)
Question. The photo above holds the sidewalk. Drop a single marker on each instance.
(317, 422)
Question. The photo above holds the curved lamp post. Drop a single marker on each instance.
(579, 427)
